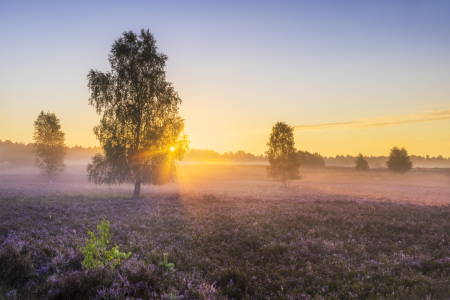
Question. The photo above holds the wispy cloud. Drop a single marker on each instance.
(383, 121)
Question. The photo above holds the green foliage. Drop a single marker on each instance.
(95, 252)
(49, 148)
(399, 161)
(140, 130)
(165, 263)
(361, 163)
(283, 158)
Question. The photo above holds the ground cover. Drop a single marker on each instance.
(225, 246)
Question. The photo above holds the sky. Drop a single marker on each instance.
(350, 76)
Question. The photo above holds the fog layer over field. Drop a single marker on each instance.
(20, 154)
(421, 186)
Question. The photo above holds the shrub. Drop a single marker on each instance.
(96, 253)
(16, 266)
(75, 284)
(311, 159)
(165, 263)
(361, 163)
(399, 160)
(233, 283)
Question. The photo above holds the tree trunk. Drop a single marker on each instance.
(137, 188)
(49, 174)
(137, 185)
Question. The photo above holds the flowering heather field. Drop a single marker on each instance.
(306, 243)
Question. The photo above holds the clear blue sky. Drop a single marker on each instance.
(241, 66)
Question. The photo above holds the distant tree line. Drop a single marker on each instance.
(380, 161)
(21, 154)
(199, 155)
(311, 159)
(15, 153)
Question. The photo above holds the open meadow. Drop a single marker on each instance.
(231, 233)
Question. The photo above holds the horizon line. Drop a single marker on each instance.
(226, 152)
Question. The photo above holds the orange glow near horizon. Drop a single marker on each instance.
(420, 138)
(350, 78)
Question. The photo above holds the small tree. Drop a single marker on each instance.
(361, 163)
(95, 251)
(399, 161)
(140, 130)
(283, 158)
(49, 148)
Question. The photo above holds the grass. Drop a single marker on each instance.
(225, 247)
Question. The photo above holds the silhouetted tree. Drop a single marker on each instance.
(399, 161)
(361, 163)
(140, 130)
(49, 148)
(283, 159)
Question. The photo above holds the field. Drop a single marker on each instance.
(231, 234)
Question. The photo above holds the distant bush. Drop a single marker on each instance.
(399, 160)
(380, 161)
(311, 159)
(361, 163)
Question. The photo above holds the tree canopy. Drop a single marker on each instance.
(361, 163)
(49, 148)
(140, 131)
(284, 161)
(399, 161)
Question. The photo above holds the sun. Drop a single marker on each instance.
(172, 148)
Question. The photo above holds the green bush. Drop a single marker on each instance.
(95, 252)
(165, 263)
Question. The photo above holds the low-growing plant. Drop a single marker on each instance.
(95, 252)
(165, 263)
(323, 247)
(16, 267)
